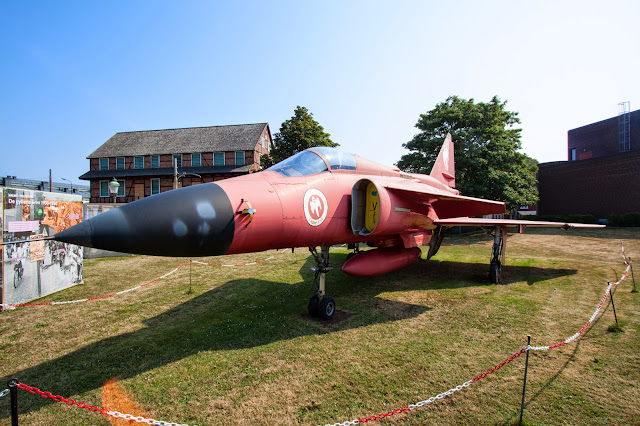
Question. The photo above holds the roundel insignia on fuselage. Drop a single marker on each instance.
(315, 207)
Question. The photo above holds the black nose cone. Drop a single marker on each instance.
(79, 234)
(192, 221)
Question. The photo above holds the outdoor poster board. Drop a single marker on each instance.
(34, 269)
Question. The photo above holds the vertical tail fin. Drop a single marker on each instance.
(445, 169)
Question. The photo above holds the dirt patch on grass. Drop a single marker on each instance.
(338, 317)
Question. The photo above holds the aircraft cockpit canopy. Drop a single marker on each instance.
(337, 159)
(311, 162)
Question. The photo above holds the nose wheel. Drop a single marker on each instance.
(323, 309)
(321, 305)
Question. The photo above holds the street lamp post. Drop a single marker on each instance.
(181, 175)
(113, 188)
(70, 183)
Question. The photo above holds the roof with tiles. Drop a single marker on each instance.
(241, 137)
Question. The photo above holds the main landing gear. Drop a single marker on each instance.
(498, 254)
(321, 305)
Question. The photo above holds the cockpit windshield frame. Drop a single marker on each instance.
(337, 159)
(304, 163)
(314, 161)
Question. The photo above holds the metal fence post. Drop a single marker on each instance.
(632, 277)
(524, 386)
(614, 308)
(13, 391)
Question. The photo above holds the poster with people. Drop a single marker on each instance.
(32, 269)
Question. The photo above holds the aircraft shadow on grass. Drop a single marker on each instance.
(241, 314)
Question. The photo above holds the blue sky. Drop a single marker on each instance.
(75, 73)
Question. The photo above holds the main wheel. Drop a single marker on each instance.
(313, 306)
(494, 273)
(326, 308)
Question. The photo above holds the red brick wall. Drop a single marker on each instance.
(598, 186)
(601, 138)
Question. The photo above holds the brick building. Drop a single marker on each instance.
(142, 162)
(602, 174)
(603, 138)
(598, 186)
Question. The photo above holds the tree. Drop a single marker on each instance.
(488, 163)
(297, 134)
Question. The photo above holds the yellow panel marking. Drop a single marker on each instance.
(372, 212)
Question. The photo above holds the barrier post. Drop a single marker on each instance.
(614, 309)
(190, 289)
(13, 391)
(524, 386)
(632, 277)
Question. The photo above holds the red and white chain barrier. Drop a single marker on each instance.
(93, 408)
(593, 317)
(466, 384)
(451, 391)
(543, 243)
(242, 264)
(66, 302)
(624, 255)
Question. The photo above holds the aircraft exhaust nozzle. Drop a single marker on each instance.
(189, 222)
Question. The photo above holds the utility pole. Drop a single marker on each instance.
(175, 173)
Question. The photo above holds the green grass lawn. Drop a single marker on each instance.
(236, 345)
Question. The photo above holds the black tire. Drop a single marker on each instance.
(326, 308)
(494, 273)
(313, 306)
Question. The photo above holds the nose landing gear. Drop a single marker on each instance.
(498, 254)
(321, 305)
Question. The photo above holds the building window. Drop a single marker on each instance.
(218, 158)
(138, 162)
(177, 157)
(260, 160)
(573, 154)
(155, 161)
(104, 164)
(195, 160)
(239, 157)
(104, 189)
(155, 186)
(120, 163)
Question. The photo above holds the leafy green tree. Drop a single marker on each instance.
(488, 161)
(297, 134)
